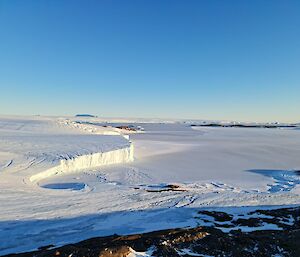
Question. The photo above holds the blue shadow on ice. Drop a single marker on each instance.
(284, 180)
(70, 186)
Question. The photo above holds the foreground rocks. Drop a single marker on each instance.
(200, 241)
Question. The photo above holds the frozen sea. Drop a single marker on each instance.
(63, 181)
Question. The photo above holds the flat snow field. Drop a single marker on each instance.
(63, 181)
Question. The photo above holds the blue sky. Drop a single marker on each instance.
(233, 60)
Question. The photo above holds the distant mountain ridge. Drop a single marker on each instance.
(85, 115)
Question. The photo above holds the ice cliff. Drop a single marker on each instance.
(88, 161)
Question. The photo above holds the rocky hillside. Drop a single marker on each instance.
(225, 237)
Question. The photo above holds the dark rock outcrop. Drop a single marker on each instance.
(198, 241)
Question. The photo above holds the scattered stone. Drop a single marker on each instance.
(46, 247)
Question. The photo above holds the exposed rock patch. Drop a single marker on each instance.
(162, 188)
(197, 241)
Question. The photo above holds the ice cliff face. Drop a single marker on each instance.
(88, 161)
(42, 147)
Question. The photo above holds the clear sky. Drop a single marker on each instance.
(205, 59)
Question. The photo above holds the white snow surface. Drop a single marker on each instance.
(62, 181)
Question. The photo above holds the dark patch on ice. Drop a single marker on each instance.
(218, 215)
(162, 188)
(246, 125)
(285, 180)
(70, 186)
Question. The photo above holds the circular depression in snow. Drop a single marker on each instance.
(65, 186)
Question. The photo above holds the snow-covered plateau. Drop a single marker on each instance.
(63, 180)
